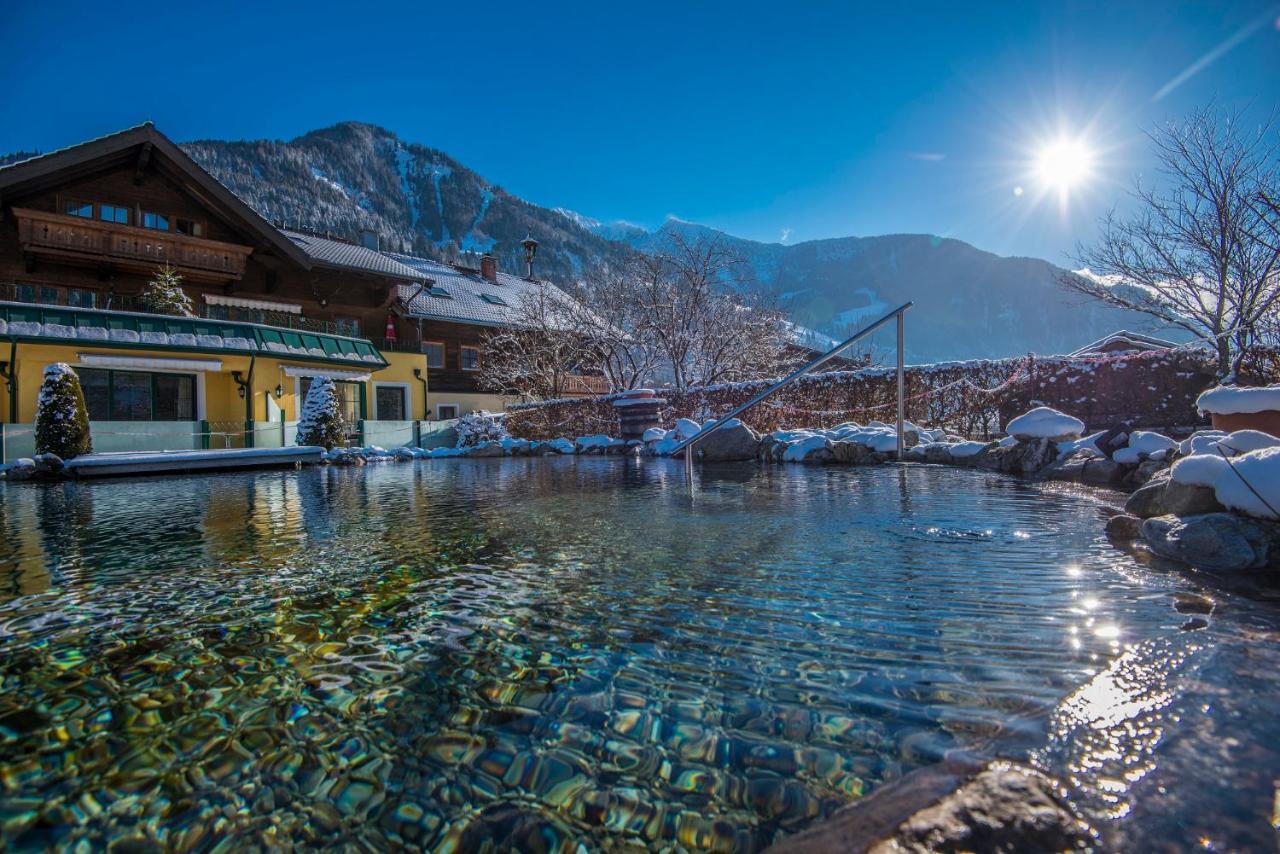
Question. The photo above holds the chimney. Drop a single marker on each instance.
(489, 267)
(369, 239)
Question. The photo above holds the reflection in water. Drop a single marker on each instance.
(541, 652)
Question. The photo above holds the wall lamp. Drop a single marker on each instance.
(241, 382)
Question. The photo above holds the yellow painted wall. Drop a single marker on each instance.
(468, 401)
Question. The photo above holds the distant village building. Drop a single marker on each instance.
(82, 231)
(1124, 341)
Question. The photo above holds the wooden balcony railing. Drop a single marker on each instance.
(586, 384)
(128, 247)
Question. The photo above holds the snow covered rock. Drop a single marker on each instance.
(687, 428)
(1216, 542)
(1236, 400)
(1016, 457)
(561, 446)
(1044, 422)
(855, 454)
(813, 449)
(1143, 444)
(733, 442)
(1084, 466)
(654, 434)
(1249, 483)
(1244, 441)
(1200, 442)
(486, 449)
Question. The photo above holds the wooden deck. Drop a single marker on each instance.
(175, 462)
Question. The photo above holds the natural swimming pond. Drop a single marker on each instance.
(542, 652)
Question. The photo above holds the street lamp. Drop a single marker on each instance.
(530, 249)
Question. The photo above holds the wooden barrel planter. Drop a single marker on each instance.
(638, 411)
(1243, 408)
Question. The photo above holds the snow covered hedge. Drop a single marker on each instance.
(975, 398)
(62, 419)
(476, 428)
(321, 421)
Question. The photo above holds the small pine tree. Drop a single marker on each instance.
(164, 294)
(321, 421)
(62, 419)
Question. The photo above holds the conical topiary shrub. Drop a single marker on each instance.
(62, 419)
(321, 421)
(164, 294)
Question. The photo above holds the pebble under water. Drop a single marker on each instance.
(549, 654)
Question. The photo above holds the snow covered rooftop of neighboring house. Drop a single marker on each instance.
(351, 256)
(1124, 340)
(464, 296)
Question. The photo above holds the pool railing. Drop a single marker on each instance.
(688, 444)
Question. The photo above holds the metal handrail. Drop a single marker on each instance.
(687, 444)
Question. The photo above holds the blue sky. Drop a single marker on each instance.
(807, 120)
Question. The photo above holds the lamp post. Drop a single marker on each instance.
(530, 249)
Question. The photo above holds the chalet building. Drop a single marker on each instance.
(449, 314)
(83, 229)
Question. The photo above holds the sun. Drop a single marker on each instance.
(1064, 164)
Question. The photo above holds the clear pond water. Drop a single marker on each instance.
(548, 653)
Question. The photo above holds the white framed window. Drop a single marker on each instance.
(446, 411)
(469, 358)
(391, 401)
(434, 351)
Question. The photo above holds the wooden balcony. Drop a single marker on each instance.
(586, 384)
(88, 241)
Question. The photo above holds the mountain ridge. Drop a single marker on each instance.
(353, 176)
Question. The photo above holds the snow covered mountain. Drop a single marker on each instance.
(354, 176)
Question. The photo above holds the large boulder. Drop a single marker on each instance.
(1018, 457)
(1216, 542)
(811, 449)
(1086, 467)
(1164, 497)
(733, 442)
(1007, 807)
(488, 449)
(1044, 422)
(855, 454)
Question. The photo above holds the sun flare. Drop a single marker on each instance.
(1064, 164)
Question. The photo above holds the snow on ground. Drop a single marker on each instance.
(1249, 483)
(1233, 400)
(1044, 422)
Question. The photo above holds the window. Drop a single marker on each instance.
(81, 298)
(113, 213)
(389, 403)
(48, 296)
(151, 219)
(446, 411)
(435, 353)
(437, 291)
(75, 207)
(469, 358)
(188, 226)
(137, 395)
(25, 293)
(493, 299)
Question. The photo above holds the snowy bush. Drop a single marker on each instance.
(62, 420)
(164, 294)
(476, 428)
(321, 420)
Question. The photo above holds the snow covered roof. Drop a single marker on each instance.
(464, 296)
(1124, 340)
(351, 256)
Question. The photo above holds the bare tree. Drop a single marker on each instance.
(1191, 254)
(535, 356)
(612, 320)
(690, 319)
